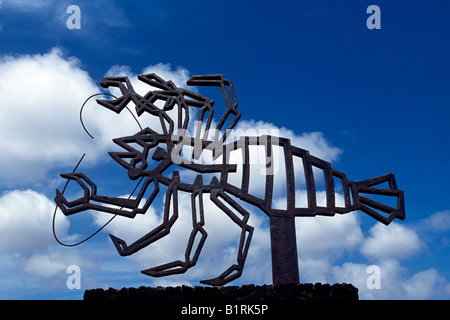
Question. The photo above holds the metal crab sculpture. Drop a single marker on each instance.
(165, 148)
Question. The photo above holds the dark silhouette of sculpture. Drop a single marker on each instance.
(165, 148)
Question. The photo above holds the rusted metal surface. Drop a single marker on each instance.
(165, 148)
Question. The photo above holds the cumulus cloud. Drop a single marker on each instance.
(27, 245)
(394, 281)
(27, 222)
(386, 247)
(437, 222)
(179, 76)
(323, 240)
(328, 237)
(421, 285)
(314, 142)
(39, 126)
(395, 241)
(52, 263)
(39, 119)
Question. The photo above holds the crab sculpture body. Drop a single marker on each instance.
(165, 147)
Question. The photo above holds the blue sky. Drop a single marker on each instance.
(371, 102)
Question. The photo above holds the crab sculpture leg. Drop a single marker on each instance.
(192, 253)
(169, 217)
(239, 216)
(233, 210)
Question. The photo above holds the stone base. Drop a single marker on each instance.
(290, 292)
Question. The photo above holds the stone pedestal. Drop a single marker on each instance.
(287, 292)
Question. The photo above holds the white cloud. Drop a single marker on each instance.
(323, 240)
(179, 76)
(27, 245)
(394, 281)
(437, 222)
(44, 266)
(393, 241)
(52, 263)
(39, 126)
(313, 270)
(386, 246)
(314, 142)
(421, 285)
(27, 222)
(39, 115)
(327, 237)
